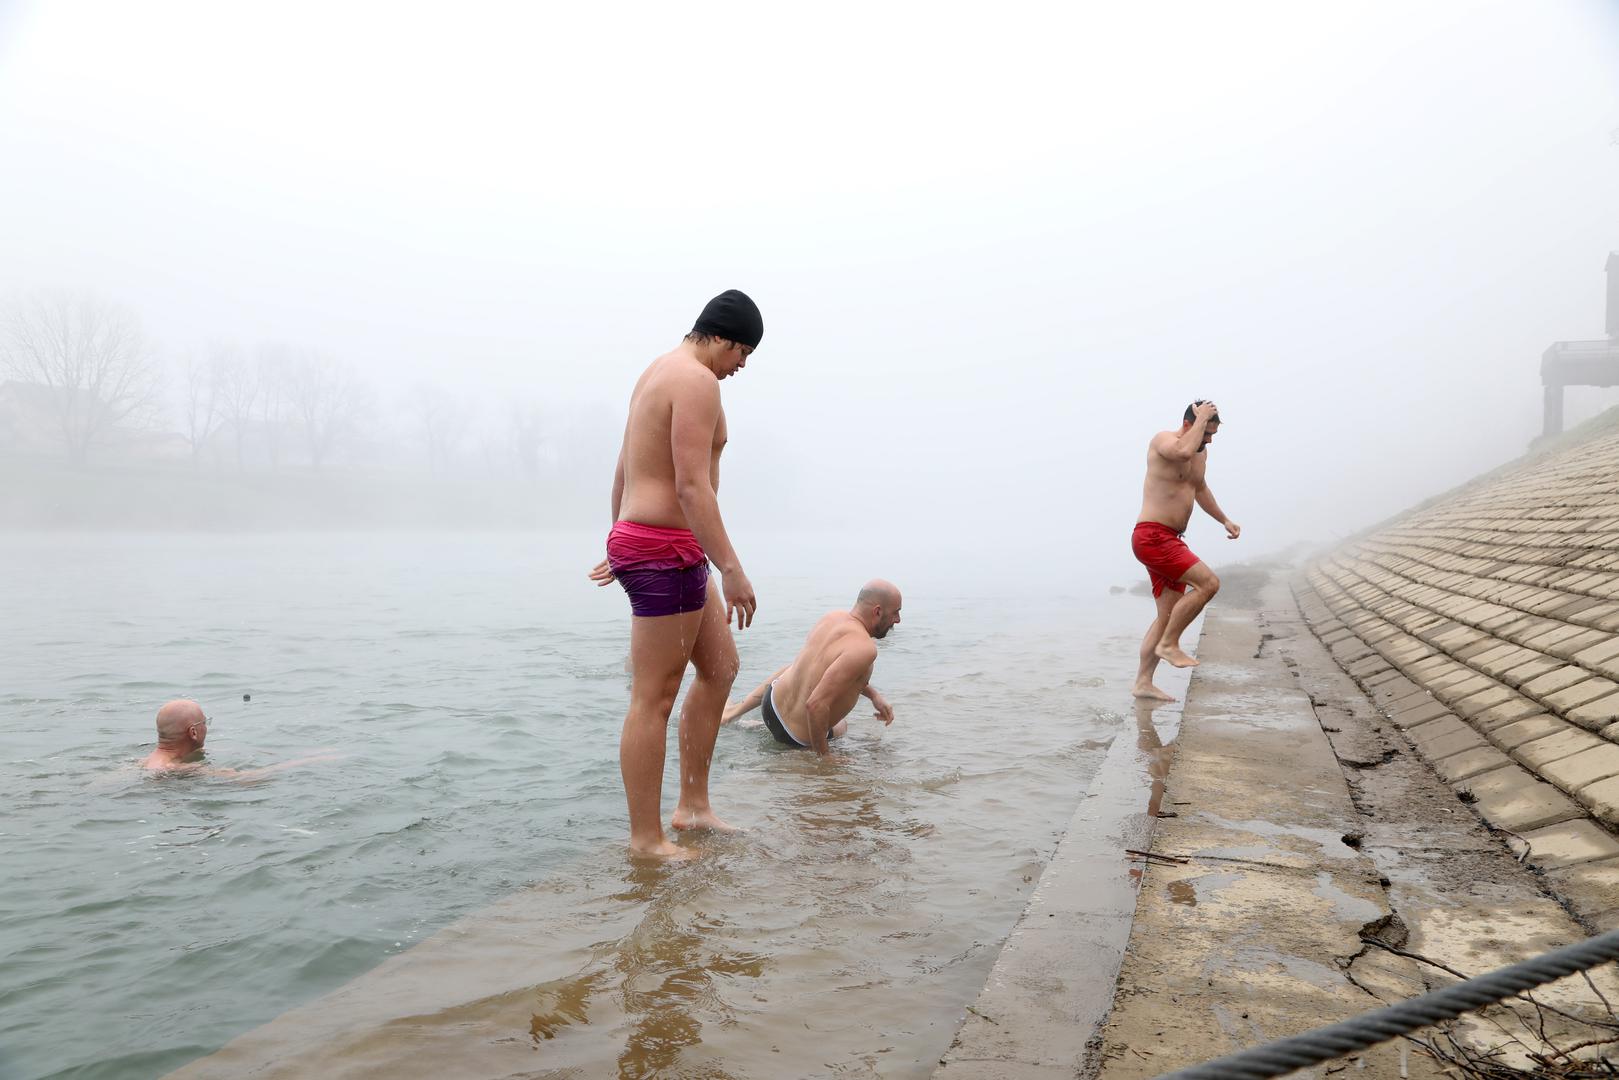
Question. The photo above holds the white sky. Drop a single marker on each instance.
(996, 247)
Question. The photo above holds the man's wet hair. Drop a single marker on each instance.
(1191, 414)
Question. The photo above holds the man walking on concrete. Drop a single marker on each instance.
(1176, 478)
(666, 530)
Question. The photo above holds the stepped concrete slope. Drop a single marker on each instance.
(1486, 627)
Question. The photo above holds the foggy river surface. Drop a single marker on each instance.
(475, 685)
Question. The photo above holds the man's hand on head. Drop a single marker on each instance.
(1232, 530)
(1204, 411)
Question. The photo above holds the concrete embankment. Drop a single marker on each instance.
(1308, 866)
(1486, 623)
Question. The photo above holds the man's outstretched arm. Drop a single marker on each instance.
(885, 711)
(831, 698)
(752, 701)
(1205, 499)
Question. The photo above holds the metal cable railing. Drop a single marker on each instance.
(1283, 1056)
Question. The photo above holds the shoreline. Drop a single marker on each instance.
(1316, 868)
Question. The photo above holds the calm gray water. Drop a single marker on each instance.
(475, 685)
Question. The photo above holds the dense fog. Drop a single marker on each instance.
(398, 267)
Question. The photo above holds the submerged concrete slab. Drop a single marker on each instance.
(1053, 981)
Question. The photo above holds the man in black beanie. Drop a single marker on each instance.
(666, 530)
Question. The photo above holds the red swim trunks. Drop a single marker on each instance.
(664, 571)
(1165, 555)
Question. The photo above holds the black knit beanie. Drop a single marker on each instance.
(733, 316)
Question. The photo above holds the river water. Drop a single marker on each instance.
(474, 686)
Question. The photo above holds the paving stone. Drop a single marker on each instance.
(1393, 690)
(1530, 669)
(1570, 843)
(1571, 647)
(1385, 677)
(1551, 682)
(1564, 743)
(1510, 711)
(1421, 713)
(1453, 690)
(1497, 662)
(1591, 889)
(1596, 715)
(1468, 763)
(1546, 640)
(1573, 773)
(1433, 666)
(1578, 694)
(1416, 696)
(1535, 727)
(1372, 665)
(1474, 704)
(1444, 737)
(1603, 799)
(1602, 657)
(1510, 798)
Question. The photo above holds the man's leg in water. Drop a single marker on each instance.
(1144, 687)
(755, 699)
(1203, 587)
(714, 657)
(660, 647)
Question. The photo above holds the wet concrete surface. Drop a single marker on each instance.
(1315, 868)
(1053, 984)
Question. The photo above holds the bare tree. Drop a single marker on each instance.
(200, 401)
(327, 401)
(526, 429)
(441, 420)
(92, 357)
(239, 387)
(273, 374)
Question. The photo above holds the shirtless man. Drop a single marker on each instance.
(182, 728)
(1176, 467)
(805, 702)
(666, 530)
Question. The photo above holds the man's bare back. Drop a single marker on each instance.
(810, 697)
(832, 668)
(676, 389)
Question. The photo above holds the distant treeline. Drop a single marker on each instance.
(98, 429)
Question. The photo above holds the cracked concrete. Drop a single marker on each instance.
(1316, 868)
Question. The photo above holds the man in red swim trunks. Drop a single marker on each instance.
(666, 530)
(1176, 466)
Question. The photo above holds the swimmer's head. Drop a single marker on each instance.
(1190, 417)
(878, 606)
(181, 726)
(728, 330)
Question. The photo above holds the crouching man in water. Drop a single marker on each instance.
(804, 704)
(666, 530)
(1177, 467)
(182, 728)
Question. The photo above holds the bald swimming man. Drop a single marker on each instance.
(182, 728)
(805, 702)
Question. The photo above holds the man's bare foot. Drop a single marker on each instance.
(664, 851)
(1174, 655)
(1150, 692)
(684, 820)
